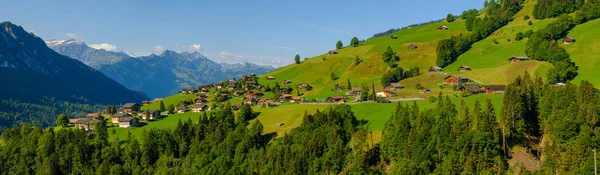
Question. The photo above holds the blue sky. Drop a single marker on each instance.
(262, 31)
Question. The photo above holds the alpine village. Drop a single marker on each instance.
(509, 88)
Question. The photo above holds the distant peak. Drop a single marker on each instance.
(168, 53)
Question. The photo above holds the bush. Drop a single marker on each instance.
(526, 17)
(519, 36)
(530, 23)
(419, 86)
(432, 99)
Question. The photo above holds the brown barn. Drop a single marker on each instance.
(443, 28)
(95, 116)
(270, 77)
(568, 40)
(130, 107)
(454, 80)
(518, 59)
(336, 99)
(434, 69)
(333, 52)
(151, 115)
(394, 37)
(412, 47)
(394, 87)
(494, 89)
(425, 90)
(127, 122)
(464, 68)
(474, 89)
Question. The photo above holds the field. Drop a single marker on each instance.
(165, 122)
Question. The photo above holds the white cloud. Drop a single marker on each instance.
(105, 46)
(193, 47)
(71, 35)
(158, 48)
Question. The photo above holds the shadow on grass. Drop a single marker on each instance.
(269, 136)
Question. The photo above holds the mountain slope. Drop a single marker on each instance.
(33, 74)
(88, 55)
(165, 74)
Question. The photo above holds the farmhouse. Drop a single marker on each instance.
(231, 85)
(336, 99)
(386, 94)
(251, 83)
(412, 47)
(394, 87)
(180, 109)
(454, 80)
(151, 115)
(286, 82)
(383, 100)
(443, 28)
(355, 91)
(518, 59)
(304, 86)
(266, 103)
(126, 122)
(85, 123)
(340, 88)
(270, 77)
(115, 118)
(473, 89)
(146, 102)
(219, 85)
(494, 89)
(394, 37)
(297, 100)
(568, 40)
(201, 100)
(131, 107)
(250, 100)
(184, 102)
(464, 68)
(285, 98)
(332, 52)
(434, 69)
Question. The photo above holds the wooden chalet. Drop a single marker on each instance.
(394, 37)
(200, 108)
(150, 114)
(473, 89)
(85, 123)
(304, 86)
(286, 82)
(355, 91)
(266, 103)
(568, 40)
(425, 90)
(94, 116)
(518, 59)
(115, 118)
(454, 80)
(443, 28)
(252, 100)
(394, 87)
(494, 89)
(181, 109)
(126, 122)
(333, 52)
(297, 100)
(336, 99)
(383, 100)
(201, 100)
(131, 107)
(270, 77)
(464, 68)
(285, 98)
(219, 85)
(434, 69)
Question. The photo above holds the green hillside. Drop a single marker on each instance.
(585, 51)
(316, 71)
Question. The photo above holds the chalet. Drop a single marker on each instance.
(126, 122)
(443, 28)
(131, 107)
(568, 40)
(355, 91)
(94, 116)
(85, 123)
(285, 98)
(394, 37)
(237, 93)
(181, 109)
(201, 100)
(286, 82)
(385, 94)
(464, 68)
(518, 59)
(434, 69)
(151, 115)
(146, 102)
(251, 83)
(266, 103)
(257, 94)
(202, 95)
(336, 99)
(559, 84)
(157, 99)
(473, 89)
(340, 88)
(494, 89)
(425, 90)
(383, 100)
(200, 108)
(304, 86)
(297, 100)
(236, 107)
(394, 87)
(270, 77)
(219, 85)
(204, 90)
(231, 86)
(412, 47)
(184, 102)
(333, 52)
(250, 100)
(164, 113)
(454, 80)
(115, 118)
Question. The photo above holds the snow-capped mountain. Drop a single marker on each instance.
(91, 55)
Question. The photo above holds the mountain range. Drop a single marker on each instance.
(156, 75)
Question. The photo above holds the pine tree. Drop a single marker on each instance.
(162, 106)
(297, 59)
(374, 93)
(339, 45)
(349, 87)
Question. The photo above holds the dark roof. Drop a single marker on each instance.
(336, 98)
(496, 87)
(126, 119)
(120, 115)
(459, 77)
(473, 88)
(435, 67)
(200, 106)
(395, 85)
(519, 57)
(129, 105)
(466, 67)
